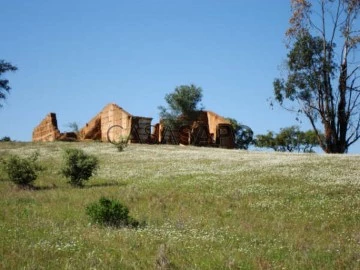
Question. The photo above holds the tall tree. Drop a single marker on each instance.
(323, 79)
(4, 83)
(183, 104)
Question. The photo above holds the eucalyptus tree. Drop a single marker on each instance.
(322, 70)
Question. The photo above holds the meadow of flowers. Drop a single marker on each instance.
(203, 208)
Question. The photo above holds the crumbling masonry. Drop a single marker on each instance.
(113, 123)
(97, 128)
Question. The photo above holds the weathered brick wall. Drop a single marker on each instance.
(97, 128)
(112, 115)
(47, 130)
(92, 129)
(211, 119)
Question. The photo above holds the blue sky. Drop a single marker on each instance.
(74, 57)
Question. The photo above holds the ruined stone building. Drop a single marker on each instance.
(112, 123)
(47, 130)
(206, 129)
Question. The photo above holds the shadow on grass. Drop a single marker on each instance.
(46, 187)
(112, 184)
(53, 186)
(35, 188)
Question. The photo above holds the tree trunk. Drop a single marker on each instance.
(342, 115)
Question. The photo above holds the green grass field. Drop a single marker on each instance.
(204, 208)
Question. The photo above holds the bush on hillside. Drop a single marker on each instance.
(121, 144)
(109, 212)
(78, 166)
(22, 171)
(5, 139)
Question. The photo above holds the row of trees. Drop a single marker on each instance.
(321, 78)
(290, 139)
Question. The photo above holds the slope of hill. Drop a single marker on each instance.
(204, 208)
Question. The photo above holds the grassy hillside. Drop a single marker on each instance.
(204, 209)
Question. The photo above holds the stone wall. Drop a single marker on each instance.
(214, 120)
(113, 115)
(121, 125)
(186, 134)
(92, 129)
(47, 130)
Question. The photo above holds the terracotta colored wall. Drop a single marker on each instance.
(97, 128)
(213, 120)
(92, 129)
(208, 118)
(47, 130)
(112, 115)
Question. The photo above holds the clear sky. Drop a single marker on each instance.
(74, 57)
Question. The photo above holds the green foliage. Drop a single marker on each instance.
(321, 80)
(266, 141)
(184, 102)
(4, 83)
(78, 166)
(305, 65)
(289, 139)
(22, 171)
(109, 212)
(243, 134)
(5, 139)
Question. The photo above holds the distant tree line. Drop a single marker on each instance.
(289, 139)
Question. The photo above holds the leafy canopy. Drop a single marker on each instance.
(289, 139)
(322, 80)
(183, 102)
(4, 83)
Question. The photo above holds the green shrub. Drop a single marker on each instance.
(5, 139)
(109, 212)
(78, 166)
(22, 171)
(122, 143)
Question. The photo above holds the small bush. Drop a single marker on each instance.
(110, 213)
(78, 166)
(22, 171)
(121, 144)
(5, 139)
